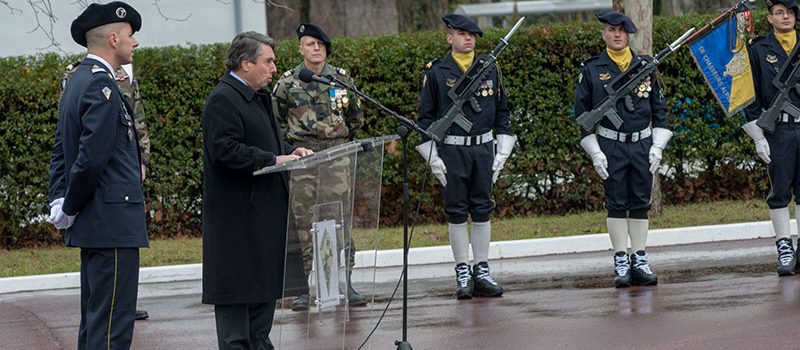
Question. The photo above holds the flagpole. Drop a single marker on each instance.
(743, 5)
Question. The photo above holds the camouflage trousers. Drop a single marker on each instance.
(320, 193)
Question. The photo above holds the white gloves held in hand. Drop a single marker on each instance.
(431, 155)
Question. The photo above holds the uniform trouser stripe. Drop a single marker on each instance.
(109, 278)
(113, 297)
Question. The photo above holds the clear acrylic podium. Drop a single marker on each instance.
(334, 209)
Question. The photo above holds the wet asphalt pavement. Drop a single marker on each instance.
(710, 296)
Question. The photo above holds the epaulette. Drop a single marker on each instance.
(288, 73)
(590, 60)
(72, 66)
(756, 39)
(431, 64)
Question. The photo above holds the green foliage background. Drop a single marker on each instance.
(710, 158)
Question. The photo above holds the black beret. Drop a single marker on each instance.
(615, 18)
(790, 4)
(97, 15)
(460, 22)
(314, 31)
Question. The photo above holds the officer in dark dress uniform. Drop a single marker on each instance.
(466, 163)
(95, 177)
(625, 158)
(778, 149)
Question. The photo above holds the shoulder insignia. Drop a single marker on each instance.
(756, 39)
(340, 70)
(431, 63)
(72, 66)
(97, 69)
(590, 60)
(288, 73)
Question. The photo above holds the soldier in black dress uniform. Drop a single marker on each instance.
(625, 158)
(467, 163)
(778, 149)
(96, 180)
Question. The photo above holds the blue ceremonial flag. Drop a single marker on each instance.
(721, 55)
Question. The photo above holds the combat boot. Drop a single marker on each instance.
(353, 297)
(300, 303)
(464, 284)
(641, 274)
(786, 257)
(622, 270)
(485, 285)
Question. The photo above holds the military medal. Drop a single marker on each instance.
(772, 58)
(491, 92)
(490, 86)
(643, 90)
(484, 93)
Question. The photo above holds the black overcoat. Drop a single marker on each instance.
(244, 216)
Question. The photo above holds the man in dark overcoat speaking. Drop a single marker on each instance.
(244, 216)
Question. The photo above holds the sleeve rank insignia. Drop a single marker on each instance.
(107, 92)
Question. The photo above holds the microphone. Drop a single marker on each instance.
(307, 76)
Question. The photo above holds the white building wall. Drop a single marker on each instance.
(209, 21)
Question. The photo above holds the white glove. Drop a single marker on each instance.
(431, 155)
(55, 209)
(762, 147)
(57, 217)
(592, 147)
(660, 138)
(505, 144)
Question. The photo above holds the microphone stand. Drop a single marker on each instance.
(406, 126)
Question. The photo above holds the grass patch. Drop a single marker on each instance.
(186, 251)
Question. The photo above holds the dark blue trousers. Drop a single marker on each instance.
(469, 182)
(630, 183)
(109, 281)
(784, 170)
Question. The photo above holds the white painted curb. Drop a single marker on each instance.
(440, 254)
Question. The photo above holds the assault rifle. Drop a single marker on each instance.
(781, 103)
(464, 91)
(629, 80)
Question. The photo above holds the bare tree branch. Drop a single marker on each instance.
(10, 8)
(157, 4)
(275, 4)
(45, 20)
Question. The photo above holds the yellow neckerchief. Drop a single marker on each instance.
(622, 57)
(787, 40)
(463, 60)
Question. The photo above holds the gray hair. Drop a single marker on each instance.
(246, 46)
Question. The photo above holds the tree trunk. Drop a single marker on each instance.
(421, 14)
(641, 12)
(283, 16)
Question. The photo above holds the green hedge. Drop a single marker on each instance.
(548, 173)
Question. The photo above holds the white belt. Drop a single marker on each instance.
(469, 140)
(785, 117)
(624, 137)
